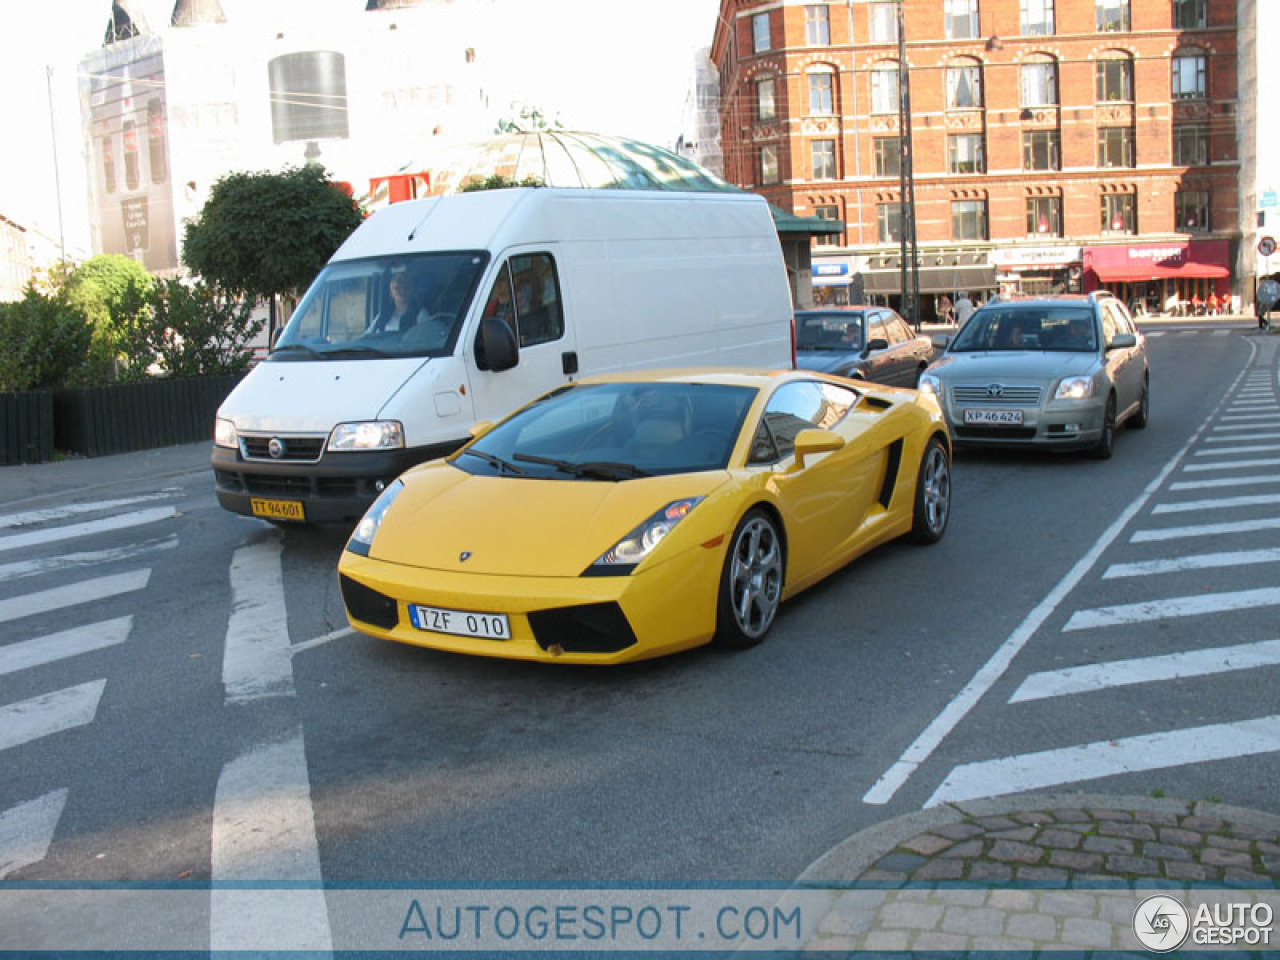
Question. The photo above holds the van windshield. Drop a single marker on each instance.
(401, 306)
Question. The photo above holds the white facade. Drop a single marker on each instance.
(1259, 135)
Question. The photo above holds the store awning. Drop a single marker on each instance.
(932, 280)
(1129, 263)
(1159, 271)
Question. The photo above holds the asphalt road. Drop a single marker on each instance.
(152, 755)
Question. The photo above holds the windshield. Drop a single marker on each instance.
(1068, 328)
(615, 431)
(829, 331)
(401, 306)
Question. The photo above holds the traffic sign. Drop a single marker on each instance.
(1267, 246)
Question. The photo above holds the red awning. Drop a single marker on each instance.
(1156, 261)
(1158, 271)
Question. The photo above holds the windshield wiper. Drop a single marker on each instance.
(359, 351)
(300, 348)
(595, 469)
(502, 465)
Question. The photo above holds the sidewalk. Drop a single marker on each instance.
(1038, 871)
(31, 482)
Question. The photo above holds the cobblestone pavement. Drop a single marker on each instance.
(1040, 871)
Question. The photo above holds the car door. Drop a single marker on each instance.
(878, 365)
(1123, 367)
(907, 356)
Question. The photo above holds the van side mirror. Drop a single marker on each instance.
(814, 441)
(498, 350)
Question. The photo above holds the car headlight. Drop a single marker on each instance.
(931, 385)
(224, 434)
(641, 541)
(362, 538)
(367, 435)
(1074, 388)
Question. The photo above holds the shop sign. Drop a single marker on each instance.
(830, 269)
(1035, 256)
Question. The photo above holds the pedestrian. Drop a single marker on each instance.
(964, 309)
(1212, 303)
(946, 312)
(1197, 305)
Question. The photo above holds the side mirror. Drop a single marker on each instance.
(940, 341)
(812, 442)
(480, 428)
(877, 344)
(1122, 341)
(497, 345)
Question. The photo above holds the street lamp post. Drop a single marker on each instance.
(906, 181)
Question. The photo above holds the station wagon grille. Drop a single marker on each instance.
(296, 449)
(1018, 396)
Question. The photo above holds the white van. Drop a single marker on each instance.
(513, 292)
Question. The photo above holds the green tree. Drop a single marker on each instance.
(43, 342)
(264, 235)
(194, 330)
(111, 292)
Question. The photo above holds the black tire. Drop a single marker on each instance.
(1139, 420)
(932, 507)
(750, 583)
(1106, 445)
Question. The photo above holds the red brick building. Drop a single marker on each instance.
(1057, 144)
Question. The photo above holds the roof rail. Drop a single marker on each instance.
(1099, 294)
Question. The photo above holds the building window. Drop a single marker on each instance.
(821, 93)
(766, 106)
(1113, 16)
(817, 26)
(1189, 14)
(889, 222)
(1114, 73)
(1044, 216)
(826, 211)
(966, 153)
(1039, 82)
(1119, 213)
(1191, 211)
(1115, 147)
(961, 19)
(1189, 76)
(1037, 18)
(882, 22)
(964, 86)
(884, 88)
(888, 156)
(823, 156)
(760, 32)
(769, 163)
(1041, 150)
(969, 219)
(1191, 144)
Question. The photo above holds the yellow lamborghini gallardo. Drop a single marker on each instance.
(626, 517)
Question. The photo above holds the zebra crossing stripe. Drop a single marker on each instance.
(1108, 758)
(51, 713)
(1123, 673)
(1224, 482)
(256, 659)
(1205, 530)
(59, 646)
(1232, 451)
(121, 521)
(1173, 607)
(86, 591)
(1230, 465)
(27, 830)
(91, 558)
(1222, 503)
(30, 517)
(1202, 561)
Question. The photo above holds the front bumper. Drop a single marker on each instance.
(597, 620)
(1064, 425)
(337, 488)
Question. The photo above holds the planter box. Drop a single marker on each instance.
(97, 421)
(26, 427)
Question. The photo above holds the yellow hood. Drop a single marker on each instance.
(520, 527)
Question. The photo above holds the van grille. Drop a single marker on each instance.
(296, 449)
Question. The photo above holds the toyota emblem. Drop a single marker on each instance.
(995, 390)
(276, 448)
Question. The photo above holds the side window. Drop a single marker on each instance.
(1110, 326)
(527, 296)
(795, 407)
(897, 329)
(875, 327)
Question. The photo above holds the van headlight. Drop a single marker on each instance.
(368, 435)
(1074, 388)
(362, 538)
(224, 434)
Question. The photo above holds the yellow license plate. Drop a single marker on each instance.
(277, 509)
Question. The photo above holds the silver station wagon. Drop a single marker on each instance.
(1061, 371)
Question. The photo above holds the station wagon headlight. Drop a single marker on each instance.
(641, 541)
(224, 434)
(368, 435)
(931, 385)
(1074, 388)
(362, 538)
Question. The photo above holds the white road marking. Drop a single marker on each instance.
(1236, 417)
(85, 591)
(1173, 607)
(121, 521)
(1267, 421)
(75, 509)
(27, 830)
(1107, 758)
(1205, 530)
(59, 646)
(1233, 451)
(70, 561)
(319, 641)
(1222, 503)
(1246, 437)
(1224, 482)
(1122, 673)
(51, 713)
(1230, 465)
(1202, 561)
(256, 659)
(264, 832)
